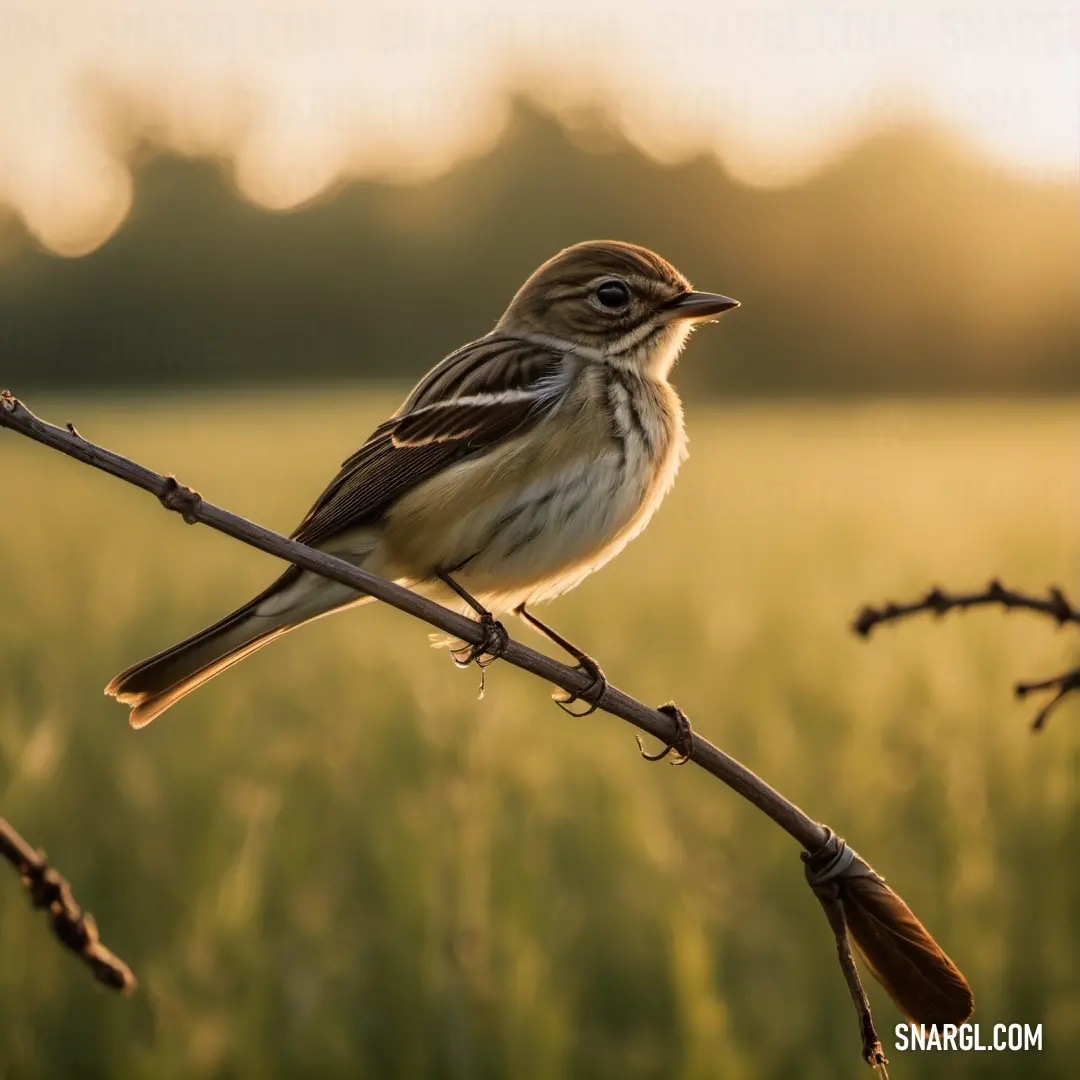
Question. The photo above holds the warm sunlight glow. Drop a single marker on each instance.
(301, 92)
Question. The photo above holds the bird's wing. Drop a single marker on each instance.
(484, 393)
(490, 365)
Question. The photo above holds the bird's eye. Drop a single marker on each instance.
(613, 295)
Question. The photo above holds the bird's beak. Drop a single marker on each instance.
(700, 305)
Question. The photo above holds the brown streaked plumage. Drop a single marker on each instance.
(518, 465)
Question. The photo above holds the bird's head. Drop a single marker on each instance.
(615, 302)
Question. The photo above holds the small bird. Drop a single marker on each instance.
(518, 465)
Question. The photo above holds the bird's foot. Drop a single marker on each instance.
(487, 650)
(592, 695)
(682, 746)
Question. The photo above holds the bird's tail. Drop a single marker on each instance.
(154, 684)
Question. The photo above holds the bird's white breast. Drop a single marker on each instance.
(535, 517)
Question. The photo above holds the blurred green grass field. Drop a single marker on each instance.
(335, 861)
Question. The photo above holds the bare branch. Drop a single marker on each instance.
(193, 508)
(74, 928)
(939, 602)
(872, 1051)
(667, 724)
(1063, 685)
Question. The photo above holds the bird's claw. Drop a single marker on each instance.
(682, 746)
(592, 695)
(490, 648)
(485, 652)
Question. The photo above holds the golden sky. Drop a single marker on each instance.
(298, 92)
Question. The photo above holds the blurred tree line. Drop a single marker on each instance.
(908, 264)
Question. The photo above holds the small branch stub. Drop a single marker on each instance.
(181, 499)
(1063, 685)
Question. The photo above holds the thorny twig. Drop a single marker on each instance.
(666, 724)
(1054, 605)
(74, 928)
